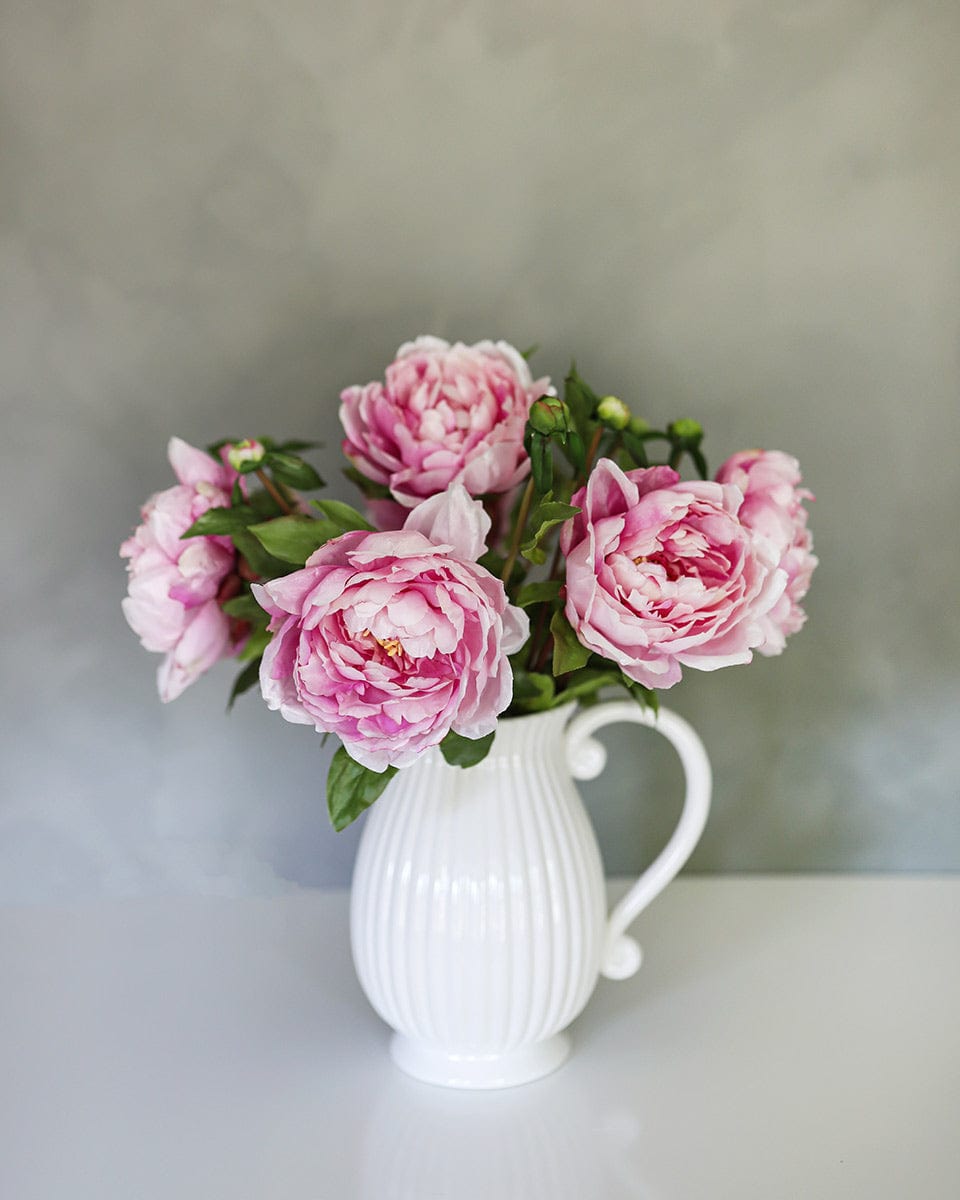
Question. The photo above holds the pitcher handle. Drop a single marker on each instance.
(586, 758)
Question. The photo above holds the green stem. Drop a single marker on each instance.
(518, 532)
(275, 493)
(592, 451)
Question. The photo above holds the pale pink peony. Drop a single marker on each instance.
(661, 574)
(173, 584)
(390, 640)
(773, 510)
(444, 414)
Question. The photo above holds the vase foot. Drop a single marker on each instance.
(433, 1065)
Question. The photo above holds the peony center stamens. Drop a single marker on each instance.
(392, 647)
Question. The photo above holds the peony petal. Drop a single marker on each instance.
(454, 519)
(192, 466)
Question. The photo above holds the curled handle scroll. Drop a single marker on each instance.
(586, 757)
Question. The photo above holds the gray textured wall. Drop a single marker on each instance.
(215, 215)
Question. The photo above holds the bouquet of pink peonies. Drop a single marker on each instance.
(517, 551)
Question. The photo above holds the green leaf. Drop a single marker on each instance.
(293, 446)
(537, 593)
(260, 562)
(291, 470)
(244, 607)
(255, 644)
(646, 697)
(460, 751)
(582, 401)
(545, 516)
(368, 487)
(294, 539)
(530, 351)
(585, 683)
(574, 451)
(532, 691)
(634, 446)
(569, 653)
(264, 505)
(342, 514)
(351, 788)
(244, 681)
(218, 521)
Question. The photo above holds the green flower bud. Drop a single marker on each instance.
(686, 430)
(638, 425)
(247, 453)
(549, 415)
(612, 412)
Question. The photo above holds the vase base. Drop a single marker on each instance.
(432, 1065)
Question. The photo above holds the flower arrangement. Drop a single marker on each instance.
(518, 551)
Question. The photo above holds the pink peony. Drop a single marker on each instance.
(772, 510)
(173, 585)
(661, 574)
(445, 414)
(390, 640)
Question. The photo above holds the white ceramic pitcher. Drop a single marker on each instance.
(478, 913)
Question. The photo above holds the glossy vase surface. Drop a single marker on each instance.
(478, 911)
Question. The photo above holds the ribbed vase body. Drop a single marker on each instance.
(477, 908)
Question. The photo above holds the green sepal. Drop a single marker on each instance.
(249, 676)
(569, 653)
(291, 470)
(545, 516)
(351, 788)
(460, 751)
(538, 593)
(532, 691)
(342, 514)
(530, 351)
(293, 539)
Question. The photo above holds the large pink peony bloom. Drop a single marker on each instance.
(661, 574)
(773, 510)
(390, 640)
(445, 414)
(173, 585)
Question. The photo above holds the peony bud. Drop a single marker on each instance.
(249, 452)
(549, 415)
(686, 430)
(612, 412)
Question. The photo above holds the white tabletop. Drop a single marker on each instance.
(784, 1038)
